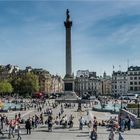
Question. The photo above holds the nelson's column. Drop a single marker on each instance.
(69, 77)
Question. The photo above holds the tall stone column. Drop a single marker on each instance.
(68, 79)
(68, 25)
(69, 95)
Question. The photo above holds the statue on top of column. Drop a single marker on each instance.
(67, 14)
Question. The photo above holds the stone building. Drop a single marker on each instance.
(106, 84)
(45, 79)
(87, 83)
(119, 83)
(57, 84)
(8, 71)
(134, 79)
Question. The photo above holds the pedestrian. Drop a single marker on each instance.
(1, 127)
(33, 122)
(59, 115)
(128, 123)
(111, 135)
(93, 135)
(95, 123)
(1, 132)
(50, 123)
(12, 128)
(28, 126)
(19, 115)
(90, 126)
(81, 123)
(18, 132)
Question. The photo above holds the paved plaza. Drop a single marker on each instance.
(74, 133)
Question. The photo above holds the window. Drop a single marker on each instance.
(131, 83)
(135, 88)
(131, 88)
(135, 83)
(131, 78)
(131, 73)
(135, 78)
(135, 73)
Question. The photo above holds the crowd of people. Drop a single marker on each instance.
(44, 115)
(114, 125)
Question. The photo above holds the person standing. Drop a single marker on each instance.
(95, 123)
(93, 135)
(28, 126)
(50, 123)
(81, 123)
(1, 131)
(33, 122)
(18, 132)
(129, 123)
(90, 126)
(12, 128)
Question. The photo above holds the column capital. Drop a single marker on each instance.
(68, 24)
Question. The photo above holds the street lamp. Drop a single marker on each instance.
(114, 107)
(138, 107)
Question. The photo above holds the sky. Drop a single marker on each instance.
(105, 33)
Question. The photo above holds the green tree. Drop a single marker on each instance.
(5, 87)
(16, 83)
(26, 84)
(30, 83)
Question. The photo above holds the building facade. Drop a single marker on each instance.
(119, 83)
(8, 71)
(106, 84)
(45, 80)
(134, 79)
(87, 83)
(57, 84)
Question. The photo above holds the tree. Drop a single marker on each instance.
(27, 83)
(5, 87)
(16, 83)
(30, 83)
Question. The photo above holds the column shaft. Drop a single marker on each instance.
(68, 52)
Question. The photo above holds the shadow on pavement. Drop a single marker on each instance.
(61, 131)
(4, 137)
(82, 136)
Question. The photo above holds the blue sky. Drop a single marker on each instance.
(104, 33)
